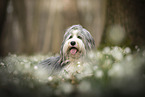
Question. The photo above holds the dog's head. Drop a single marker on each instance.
(77, 41)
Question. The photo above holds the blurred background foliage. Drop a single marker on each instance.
(110, 72)
(37, 26)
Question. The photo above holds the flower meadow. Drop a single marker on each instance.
(112, 71)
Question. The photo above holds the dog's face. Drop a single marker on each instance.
(77, 41)
(74, 46)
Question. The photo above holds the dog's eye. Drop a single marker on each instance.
(70, 37)
(79, 37)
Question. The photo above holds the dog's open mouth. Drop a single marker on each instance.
(73, 50)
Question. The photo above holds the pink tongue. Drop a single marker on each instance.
(73, 51)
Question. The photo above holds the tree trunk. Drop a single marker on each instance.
(129, 15)
(3, 9)
(38, 26)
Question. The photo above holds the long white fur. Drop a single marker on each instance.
(66, 60)
(72, 67)
(79, 43)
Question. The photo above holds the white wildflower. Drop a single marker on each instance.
(117, 53)
(106, 50)
(99, 74)
(128, 58)
(108, 61)
(91, 55)
(27, 65)
(79, 63)
(41, 75)
(67, 88)
(99, 55)
(25, 60)
(50, 78)
(84, 86)
(136, 47)
(2, 64)
(87, 70)
(127, 50)
(35, 59)
(95, 68)
(35, 67)
(116, 71)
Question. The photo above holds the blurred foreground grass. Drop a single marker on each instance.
(113, 71)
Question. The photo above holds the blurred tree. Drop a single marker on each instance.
(3, 7)
(35, 26)
(129, 15)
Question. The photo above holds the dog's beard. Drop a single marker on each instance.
(74, 52)
(70, 53)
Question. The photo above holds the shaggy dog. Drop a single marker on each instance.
(76, 43)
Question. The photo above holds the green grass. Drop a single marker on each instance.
(113, 71)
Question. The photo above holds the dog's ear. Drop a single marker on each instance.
(62, 56)
(61, 51)
(89, 41)
(67, 32)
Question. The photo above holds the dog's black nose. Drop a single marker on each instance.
(73, 43)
